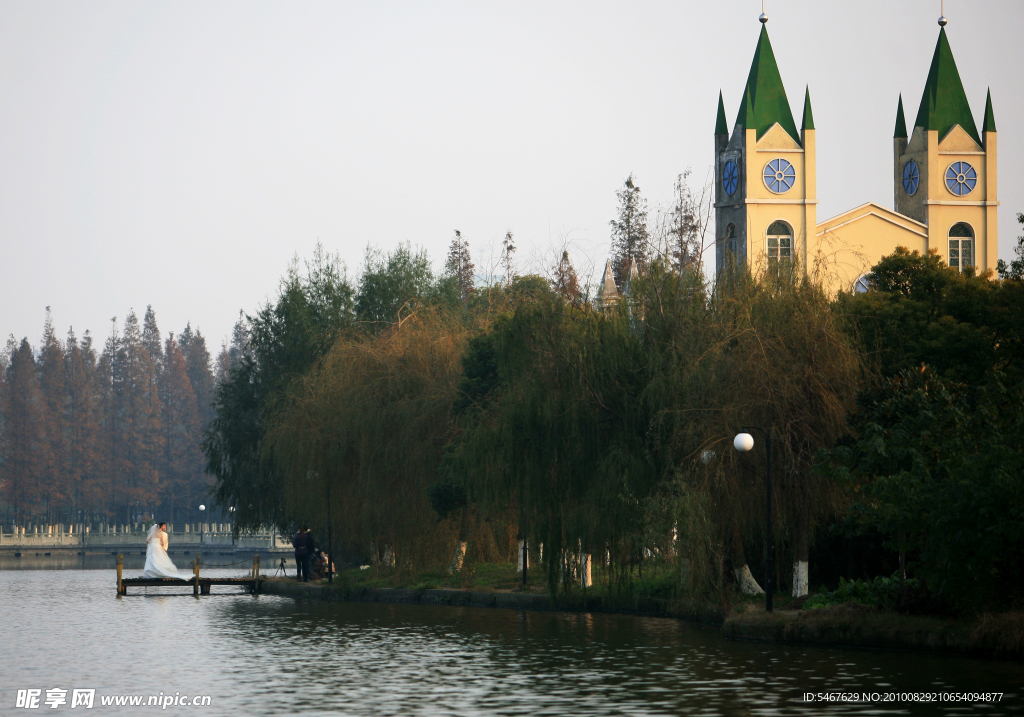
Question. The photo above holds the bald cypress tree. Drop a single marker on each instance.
(151, 337)
(181, 466)
(137, 403)
(200, 373)
(22, 412)
(54, 481)
(83, 424)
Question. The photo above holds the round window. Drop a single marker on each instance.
(911, 178)
(779, 176)
(961, 178)
(730, 177)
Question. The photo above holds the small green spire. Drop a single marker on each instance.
(808, 116)
(944, 103)
(901, 122)
(766, 101)
(989, 125)
(721, 126)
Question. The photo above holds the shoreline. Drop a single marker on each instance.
(846, 626)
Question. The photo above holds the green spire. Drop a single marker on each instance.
(721, 126)
(901, 122)
(989, 125)
(944, 103)
(767, 97)
(808, 116)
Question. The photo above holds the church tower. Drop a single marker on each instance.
(765, 185)
(945, 170)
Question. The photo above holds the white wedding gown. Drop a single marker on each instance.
(158, 564)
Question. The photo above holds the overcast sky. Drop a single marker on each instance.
(180, 153)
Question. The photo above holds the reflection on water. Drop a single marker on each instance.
(267, 655)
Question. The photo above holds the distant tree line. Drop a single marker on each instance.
(110, 433)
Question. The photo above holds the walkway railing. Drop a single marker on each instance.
(64, 537)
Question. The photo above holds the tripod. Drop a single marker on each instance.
(282, 568)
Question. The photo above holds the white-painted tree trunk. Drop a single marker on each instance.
(799, 578)
(540, 552)
(519, 563)
(585, 570)
(389, 556)
(748, 586)
(460, 556)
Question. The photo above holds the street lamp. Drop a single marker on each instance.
(201, 509)
(231, 510)
(744, 442)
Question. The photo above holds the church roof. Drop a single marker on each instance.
(944, 103)
(721, 126)
(768, 103)
(607, 292)
(989, 125)
(808, 116)
(901, 122)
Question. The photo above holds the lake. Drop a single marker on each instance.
(268, 655)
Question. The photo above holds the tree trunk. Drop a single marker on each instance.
(460, 548)
(803, 540)
(748, 586)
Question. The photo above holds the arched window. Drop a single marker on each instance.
(961, 246)
(730, 239)
(780, 241)
(862, 285)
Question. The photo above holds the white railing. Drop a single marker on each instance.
(263, 539)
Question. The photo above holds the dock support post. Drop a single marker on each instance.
(121, 590)
(195, 571)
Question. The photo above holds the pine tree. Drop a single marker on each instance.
(459, 266)
(630, 239)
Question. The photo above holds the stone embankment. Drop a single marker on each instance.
(847, 625)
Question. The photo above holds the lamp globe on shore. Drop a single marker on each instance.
(743, 442)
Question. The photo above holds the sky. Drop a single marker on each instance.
(180, 154)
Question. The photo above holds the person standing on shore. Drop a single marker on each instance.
(301, 544)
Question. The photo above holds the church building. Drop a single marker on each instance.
(944, 181)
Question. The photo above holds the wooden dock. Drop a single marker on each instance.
(199, 585)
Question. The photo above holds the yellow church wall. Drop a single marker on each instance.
(795, 207)
(845, 247)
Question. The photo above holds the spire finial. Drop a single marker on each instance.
(942, 16)
(764, 15)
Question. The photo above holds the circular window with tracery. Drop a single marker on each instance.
(779, 176)
(911, 178)
(730, 177)
(961, 178)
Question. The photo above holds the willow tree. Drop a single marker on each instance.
(359, 439)
(548, 424)
(763, 351)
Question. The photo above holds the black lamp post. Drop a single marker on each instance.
(202, 510)
(743, 443)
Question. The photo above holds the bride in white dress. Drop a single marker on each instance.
(158, 564)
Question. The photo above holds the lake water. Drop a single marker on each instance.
(267, 655)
